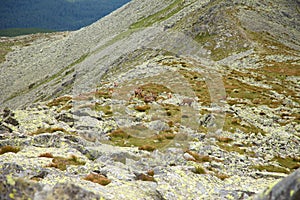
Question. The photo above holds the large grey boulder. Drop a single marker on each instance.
(286, 189)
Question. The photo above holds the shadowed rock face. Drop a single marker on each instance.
(159, 100)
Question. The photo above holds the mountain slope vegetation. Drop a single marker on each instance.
(161, 99)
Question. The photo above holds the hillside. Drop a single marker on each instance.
(161, 99)
(20, 17)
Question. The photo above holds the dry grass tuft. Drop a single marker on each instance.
(49, 130)
(199, 170)
(46, 155)
(147, 148)
(119, 134)
(144, 177)
(59, 101)
(6, 149)
(103, 93)
(61, 162)
(198, 157)
(97, 178)
(271, 168)
(288, 162)
(142, 108)
(221, 176)
(224, 139)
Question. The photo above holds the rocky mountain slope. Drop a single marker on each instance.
(172, 99)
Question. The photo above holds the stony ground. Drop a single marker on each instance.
(186, 100)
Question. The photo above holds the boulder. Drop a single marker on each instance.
(286, 189)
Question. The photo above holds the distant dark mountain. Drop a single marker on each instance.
(55, 15)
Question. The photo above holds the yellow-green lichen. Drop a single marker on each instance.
(10, 180)
(12, 195)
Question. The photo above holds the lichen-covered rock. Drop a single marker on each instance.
(158, 126)
(65, 191)
(286, 189)
(17, 188)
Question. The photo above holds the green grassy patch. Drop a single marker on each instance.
(266, 40)
(63, 103)
(288, 162)
(5, 48)
(154, 88)
(130, 137)
(12, 32)
(231, 45)
(271, 168)
(172, 113)
(199, 170)
(199, 87)
(276, 76)
(162, 15)
(239, 90)
(233, 148)
(7, 44)
(105, 109)
(119, 133)
(233, 123)
(103, 93)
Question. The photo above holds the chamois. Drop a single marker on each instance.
(187, 101)
(150, 98)
(138, 92)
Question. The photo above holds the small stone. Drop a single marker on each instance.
(11, 121)
(158, 126)
(188, 157)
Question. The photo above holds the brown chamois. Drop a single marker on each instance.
(150, 98)
(138, 92)
(187, 101)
